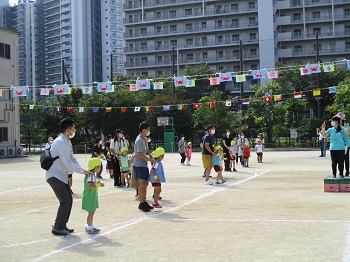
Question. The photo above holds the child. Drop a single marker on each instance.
(110, 164)
(90, 196)
(189, 153)
(218, 159)
(232, 151)
(124, 167)
(156, 176)
(70, 180)
(246, 154)
(259, 150)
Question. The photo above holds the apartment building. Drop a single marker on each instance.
(210, 32)
(9, 106)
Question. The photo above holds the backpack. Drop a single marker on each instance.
(46, 160)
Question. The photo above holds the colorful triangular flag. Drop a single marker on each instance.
(58, 109)
(69, 109)
(44, 108)
(212, 104)
(316, 92)
(148, 108)
(81, 109)
(180, 107)
(137, 109)
(196, 106)
(108, 109)
(277, 98)
(332, 90)
(328, 68)
(298, 94)
(228, 103)
(214, 81)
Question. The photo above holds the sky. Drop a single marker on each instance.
(12, 2)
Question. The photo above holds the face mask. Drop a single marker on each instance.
(148, 133)
(72, 135)
(242, 136)
(182, 138)
(332, 123)
(228, 133)
(212, 131)
(149, 140)
(120, 135)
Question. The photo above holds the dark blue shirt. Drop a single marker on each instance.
(208, 139)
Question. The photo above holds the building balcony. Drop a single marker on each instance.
(157, 3)
(317, 3)
(341, 1)
(286, 53)
(323, 18)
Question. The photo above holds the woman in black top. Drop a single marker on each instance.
(227, 143)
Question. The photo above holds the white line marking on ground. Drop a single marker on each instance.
(152, 216)
(22, 189)
(258, 220)
(346, 254)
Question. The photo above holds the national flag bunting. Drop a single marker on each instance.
(166, 107)
(108, 109)
(196, 106)
(277, 98)
(123, 109)
(137, 109)
(212, 104)
(58, 109)
(298, 94)
(69, 109)
(316, 92)
(214, 81)
(228, 103)
(328, 68)
(304, 71)
(95, 109)
(267, 99)
(181, 107)
(81, 109)
(245, 101)
(31, 106)
(44, 108)
(332, 90)
(148, 108)
(44, 91)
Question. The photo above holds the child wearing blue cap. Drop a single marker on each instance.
(90, 196)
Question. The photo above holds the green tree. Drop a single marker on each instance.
(341, 100)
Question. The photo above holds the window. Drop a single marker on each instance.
(159, 45)
(234, 7)
(254, 66)
(220, 39)
(205, 56)
(347, 29)
(316, 30)
(219, 24)
(252, 21)
(173, 28)
(144, 61)
(346, 13)
(143, 31)
(251, 5)
(319, 47)
(5, 51)
(316, 15)
(220, 54)
(253, 52)
(159, 73)
(235, 38)
(159, 29)
(298, 48)
(189, 57)
(235, 54)
(204, 41)
(173, 43)
(188, 11)
(315, 1)
(252, 36)
(159, 59)
(3, 134)
(158, 15)
(297, 33)
(172, 14)
(347, 46)
(189, 27)
(204, 25)
(189, 41)
(297, 17)
(235, 23)
(143, 46)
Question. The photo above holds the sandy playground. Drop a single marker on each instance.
(274, 211)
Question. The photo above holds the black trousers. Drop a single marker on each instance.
(183, 157)
(227, 161)
(116, 171)
(346, 161)
(63, 195)
(337, 157)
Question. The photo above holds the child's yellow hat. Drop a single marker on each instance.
(233, 142)
(258, 140)
(246, 144)
(189, 143)
(217, 148)
(158, 152)
(124, 149)
(94, 162)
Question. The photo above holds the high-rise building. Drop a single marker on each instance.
(207, 31)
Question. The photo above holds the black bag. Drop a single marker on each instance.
(46, 160)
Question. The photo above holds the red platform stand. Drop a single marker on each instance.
(332, 188)
(344, 187)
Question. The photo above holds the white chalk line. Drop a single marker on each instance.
(154, 215)
(258, 220)
(346, 253)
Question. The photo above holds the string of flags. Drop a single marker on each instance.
(194, 106)
(180, 81)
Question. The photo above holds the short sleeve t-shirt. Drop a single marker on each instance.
(207, 139)
(124, 160)
(140, 146)
(227, 141)
(337, 139)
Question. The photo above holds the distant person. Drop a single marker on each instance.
(49, 143)
(344, 124)
(241, 142)
(97, 152)
(321, 142)
(157, 176)
(108, 156)
(226, 147)
(208, 152)
(182, 147)
(57, 175)
(259, 150)
(246, 154)
(124, 164)
(232, 156)
(117, 143)
(218, 160)
(189, 153)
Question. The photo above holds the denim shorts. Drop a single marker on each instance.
(141, 172)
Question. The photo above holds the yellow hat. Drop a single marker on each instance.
(189, 143)
(158, 152)
(233, 142)
(246, 144)
(217, 148)
(258, 140)
(94, 162)
(124, 149)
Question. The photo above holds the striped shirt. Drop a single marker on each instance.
(66, 162)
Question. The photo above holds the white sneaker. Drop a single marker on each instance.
(208, 182)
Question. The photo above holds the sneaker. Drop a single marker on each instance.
(59, 232)
(93, 230)
(150, 207)
(235, 170)
(189, 164)
(347, 174)
(224, 180)
(208, 182)
(99, 177)
(218, 183)
(156, 205)
(341, 176)
(334, 176)
(144, 207)
(70, 230)
(136, 197)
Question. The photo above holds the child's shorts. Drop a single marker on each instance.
(109, 164)
(217, 168)
(246, 157)
(156, 184)
(70, 175)
(259, 154)
(232, 157)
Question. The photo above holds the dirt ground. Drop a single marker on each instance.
(274, 211)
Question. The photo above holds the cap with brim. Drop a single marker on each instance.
(118, 131)
(50, 138)
(233, 142)
(94, 162)
(336, 117)
(341, 116)
(246, 144)
(124, 149)
(158, 152)
(217, 148)
(189, 143)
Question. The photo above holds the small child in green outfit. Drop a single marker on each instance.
(124, 163)
(90, 196)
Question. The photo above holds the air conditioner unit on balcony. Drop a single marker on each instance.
(11, 151)
(3, 152)
(19, 151)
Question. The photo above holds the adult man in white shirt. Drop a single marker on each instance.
(57, 175)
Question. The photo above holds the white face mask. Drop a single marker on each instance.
(242, 136)
(72, 135)
(212, 131)
(228, 133)
(332, 123)
(148, 133)
(149, 140)
(182, 138)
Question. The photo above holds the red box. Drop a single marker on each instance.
(344, 187)
(332, 187)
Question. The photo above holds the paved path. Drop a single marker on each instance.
(274, 211)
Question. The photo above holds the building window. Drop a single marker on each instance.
(143, 31)
(173, 28)
(235, 54)
(297, 17)
(158, 15)
(220, 54)
(252, 21)
(235, 38)
(234, 7)
(297, 33)
(319, 47)
(159, 29)
(219, 24)
(143, 46)
(204, 25)
(346, 13)
(172, 14)
(188, 11)
(159, 45)
(160, 73)
(315, 1)
(189, 27)
(316, 30)
(316, 15)
(235, 23)
(189, 57)
(254, 66)
(189, 41)
(347, 29)
(251, 5)
(204, 41)
(253, 52)
(173, 43)
(3, 134)
(205, 56)
(144, 61)
(347, 46)
(252, 36)
(159, 59)
(5, 51)
(220, 39)
(298, 48)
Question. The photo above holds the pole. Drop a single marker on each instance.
(173, 65)
(111, 72)
(318, 77)
(177, 62)
(62, 71)
(241, 64)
